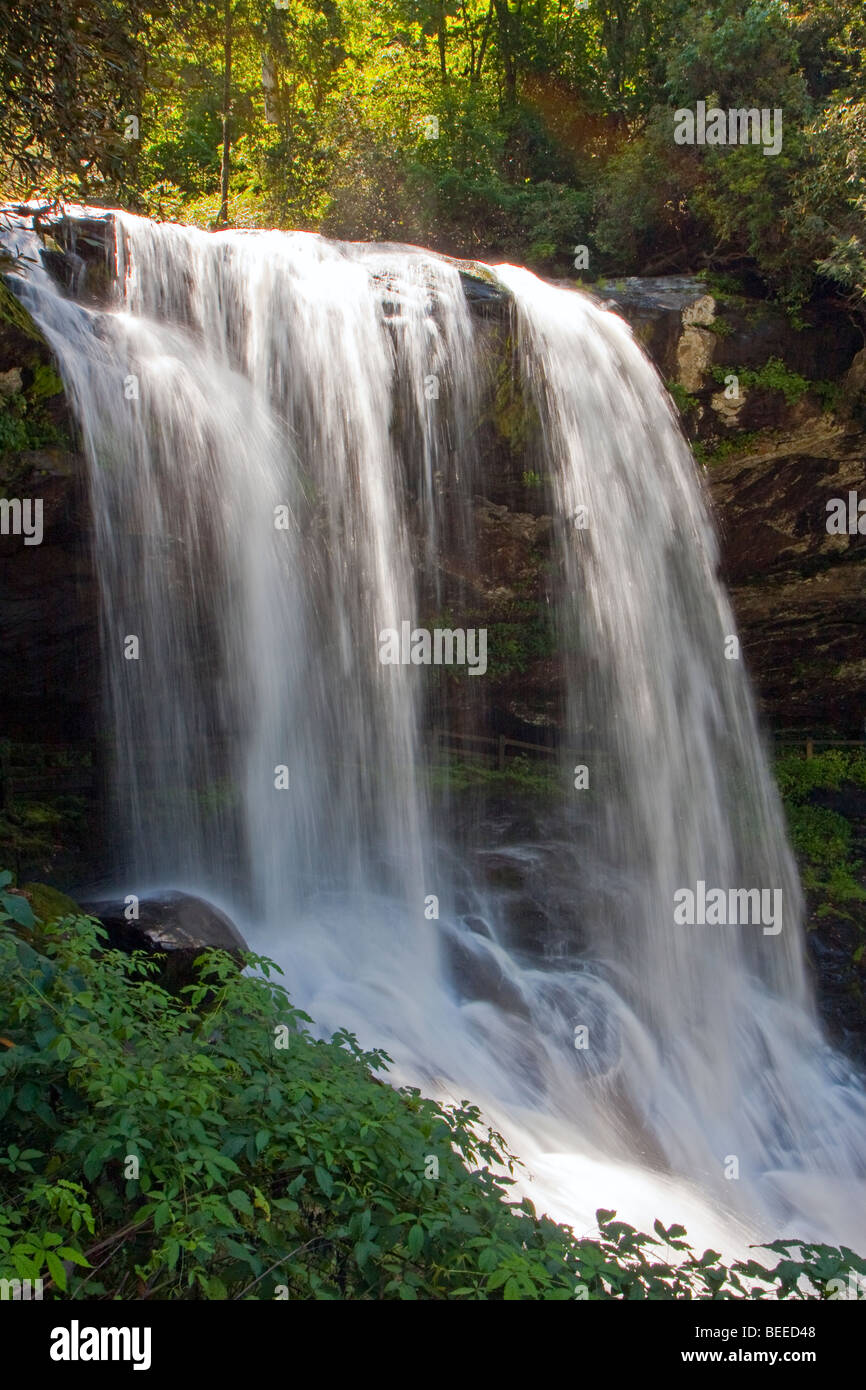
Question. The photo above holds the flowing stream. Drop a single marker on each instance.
(268, 418)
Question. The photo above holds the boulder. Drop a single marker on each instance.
(176, 926)
(49, 903)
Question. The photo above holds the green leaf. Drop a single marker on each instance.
(55, 1269)
(324, 1179)
(362, 1252)
(94, 1162)
(19, 909)
(28, 1097)
(416, 1241)
(66, 1252)
(161, 1216)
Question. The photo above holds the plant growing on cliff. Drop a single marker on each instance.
(209, 1147)
(772, 376)
(823, 837)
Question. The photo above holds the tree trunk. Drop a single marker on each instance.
(227, 110)
(508, 53)
(442, 31)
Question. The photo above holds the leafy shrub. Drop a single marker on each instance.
(821, 837)
(772, 376)
(798, 776)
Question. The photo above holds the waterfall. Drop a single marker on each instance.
(267, 419)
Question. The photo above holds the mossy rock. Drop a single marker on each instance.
(515, 416)
(12, 312)
(49, 903)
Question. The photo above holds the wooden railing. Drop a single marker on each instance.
(498, 745)
(806, 742)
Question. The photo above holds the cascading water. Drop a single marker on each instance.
(266, 456)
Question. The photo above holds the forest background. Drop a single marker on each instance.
(494, 129)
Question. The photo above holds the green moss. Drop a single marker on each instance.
(514, 414)
(49, 903)
(736, 444)
(46, 383)
(533, 777)
(684, 402)
(35, 835)
(14, 313)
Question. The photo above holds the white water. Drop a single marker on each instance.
(282, 370)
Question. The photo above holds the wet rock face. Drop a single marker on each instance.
(174, 926)
(779, 415)
(49, 674)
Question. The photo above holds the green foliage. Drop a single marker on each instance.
(739, 443)
(24, 424)
(797, 776)
(821, 837)
(772, 376)
(268, 1170)
(34, 835)
(522, 775)
(483, 127)
(684, 401)
(68, 75)
(513, 647)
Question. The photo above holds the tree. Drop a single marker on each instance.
(227, 113)
(71, 71)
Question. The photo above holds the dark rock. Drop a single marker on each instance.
(773, 462)
(477, 974)
(49, 658)
(174, 925)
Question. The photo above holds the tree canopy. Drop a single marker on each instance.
(498, 128)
